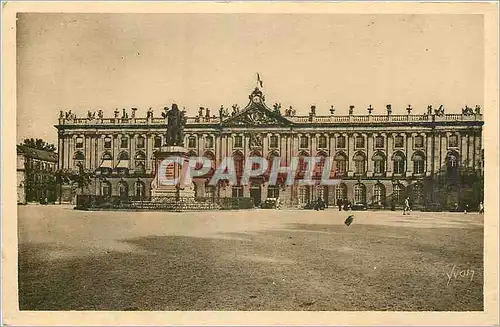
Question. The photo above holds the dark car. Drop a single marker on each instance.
(359, 206)
(433, 207)
(316, 205)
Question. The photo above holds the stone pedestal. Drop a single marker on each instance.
(171, 172)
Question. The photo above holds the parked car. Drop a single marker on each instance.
(433, 207)
(359, 206)
(316, 205)
(269, 203)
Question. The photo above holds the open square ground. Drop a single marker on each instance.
(249, 260)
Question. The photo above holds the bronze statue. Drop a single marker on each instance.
(176, 120)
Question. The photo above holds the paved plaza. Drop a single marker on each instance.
(249, 260)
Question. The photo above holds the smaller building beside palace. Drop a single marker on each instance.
(36, 175)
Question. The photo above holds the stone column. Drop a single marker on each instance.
(60, 148)
(370, 152)
(265, 144)
(390, 151)
(314, 145)
(149, 152)
(437, 152)
(331, 140)
(444, 147)
(477, 150)
(462, 146)
(410, 149)
(132, 146)
(429, 156)
(350, 154)
(471, 152)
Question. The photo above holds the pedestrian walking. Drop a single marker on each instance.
(481, 207)
(466, 208)
(339, 204)
(406, 206)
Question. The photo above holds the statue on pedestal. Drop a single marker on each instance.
(176, 120)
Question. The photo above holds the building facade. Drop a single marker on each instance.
(35, 175)
(380, 158)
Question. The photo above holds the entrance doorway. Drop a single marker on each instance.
(255, 193)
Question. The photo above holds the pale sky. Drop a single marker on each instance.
(107, 61)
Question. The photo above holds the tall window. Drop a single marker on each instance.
(453, 141)
(419, 141)
(157, 143)
(140, 189)
(124, 143)
(417, 193)
(359, 164)
(418, 163)
(273, 142)
(141, 142)
(192, 142)
(379, 142)
(304, 142)
(378, 194)
(303, 194)
(238, 141)
(360, 142)
(379, 163)
(273, 191)
(399, 142)
(322, 142)
(399, 163)
(209, 142)
(359, 193)
(341, 142)
(398, 193)
(79, 143)
(340, 164)
(340, 192)
(107, 143)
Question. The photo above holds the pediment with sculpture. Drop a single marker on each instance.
(257, 116)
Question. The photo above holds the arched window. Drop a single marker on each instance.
(79, 142)
(359, 164)
(105, 188)
(417, 193)
(322, 193)
(107, 156)
(399, 141)
(209, 155)
(123, 156)
(123, 162)
(378, 194)
(379, 163)
(452, 163)
(399, 163)
(398, 193)
(340, 163)
(79, 159)
(106, 163)
(140, 189)
(418, 141)
(359, 193)
(418, 163)
(270, 160)
(340, 192)
(303, 164)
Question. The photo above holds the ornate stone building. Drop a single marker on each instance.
(381, 158)
(35, 175)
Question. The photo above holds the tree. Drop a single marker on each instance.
(82, 177)
(39, 144)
